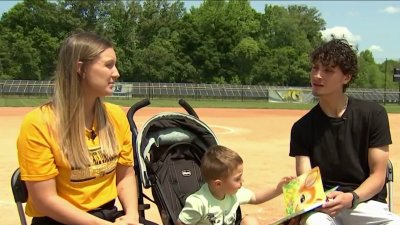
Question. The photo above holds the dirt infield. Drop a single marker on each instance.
(260, 136)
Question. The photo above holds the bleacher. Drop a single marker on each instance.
(200, 91)
(26, 87)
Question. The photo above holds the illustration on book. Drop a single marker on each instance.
(303, 191)
(303, 194)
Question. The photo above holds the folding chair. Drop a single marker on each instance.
(20, 194)
(389, 182)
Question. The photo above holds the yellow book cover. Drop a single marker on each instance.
(303, 194)
(303, 191)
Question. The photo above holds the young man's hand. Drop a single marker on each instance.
(337, 201)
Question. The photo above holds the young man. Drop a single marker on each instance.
(347, 138)
(218, 199)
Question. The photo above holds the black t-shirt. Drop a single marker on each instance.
(339, 146)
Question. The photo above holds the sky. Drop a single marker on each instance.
(372, 25)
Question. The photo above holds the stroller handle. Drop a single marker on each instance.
(131, 112)
(187, 107)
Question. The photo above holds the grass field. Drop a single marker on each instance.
(17, 101)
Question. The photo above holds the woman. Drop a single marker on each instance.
(75, 152)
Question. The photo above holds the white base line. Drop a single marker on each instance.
(6, 202)
(229, 130)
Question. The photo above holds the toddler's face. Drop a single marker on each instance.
(234, 181)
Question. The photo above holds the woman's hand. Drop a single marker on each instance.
(127, 220)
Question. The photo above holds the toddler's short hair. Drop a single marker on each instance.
(219, 162)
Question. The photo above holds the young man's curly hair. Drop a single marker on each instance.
(337, 52)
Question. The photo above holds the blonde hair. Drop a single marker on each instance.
(68, 101)
(219, 162)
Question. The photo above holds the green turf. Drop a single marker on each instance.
(16, 101)
(195, 103)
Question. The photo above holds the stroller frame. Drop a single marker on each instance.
(170, 136)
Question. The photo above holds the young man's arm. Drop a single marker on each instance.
(303, 164)
(377, 160)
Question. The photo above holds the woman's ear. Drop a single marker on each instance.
(79, 67)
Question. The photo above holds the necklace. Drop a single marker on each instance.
(345, 106)
(347, 102)
(91, 134)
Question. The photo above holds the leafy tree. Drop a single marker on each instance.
(309, 22)
(244, 57)
(31, 33)
(369, 75)
(121, 27)
(289, 34)
(215, 36)
(89, 12)
(223, 41)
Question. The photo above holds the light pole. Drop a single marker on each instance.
(384, 92)
(396, 78)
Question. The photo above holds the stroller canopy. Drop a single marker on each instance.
(167, 129)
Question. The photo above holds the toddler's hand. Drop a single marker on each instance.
(284, 180)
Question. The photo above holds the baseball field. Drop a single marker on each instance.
(260, 136)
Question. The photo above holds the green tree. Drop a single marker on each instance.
(91, 13)
(369, 75)
(121, 27)
(31, 33)
(216, 35)
(287, 36)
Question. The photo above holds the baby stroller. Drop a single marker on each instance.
(168, 151)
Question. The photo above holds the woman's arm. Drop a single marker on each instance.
(127, 192)
(45, 199)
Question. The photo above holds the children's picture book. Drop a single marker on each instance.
(303, 194)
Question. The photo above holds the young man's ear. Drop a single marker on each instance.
(347, 78)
